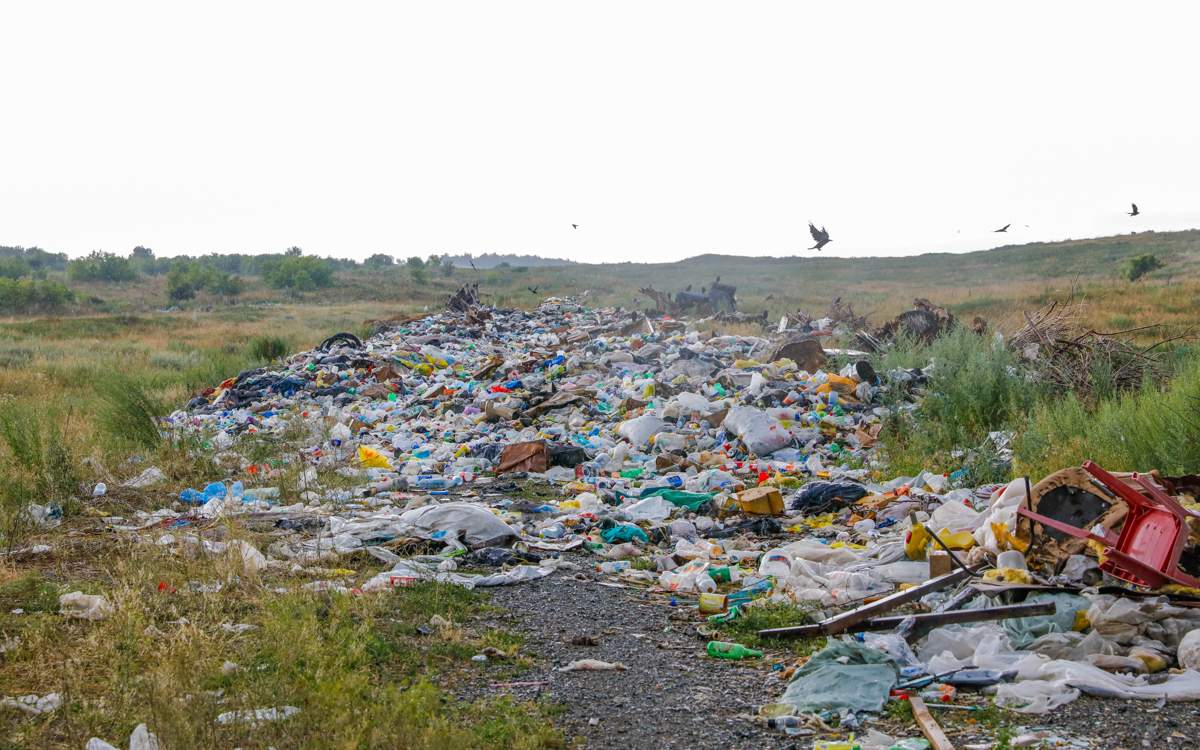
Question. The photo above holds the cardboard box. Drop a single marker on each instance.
(939, 563)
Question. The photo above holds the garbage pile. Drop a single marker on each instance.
(719, 471)
(1062, 351)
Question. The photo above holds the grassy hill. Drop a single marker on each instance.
(998, 284)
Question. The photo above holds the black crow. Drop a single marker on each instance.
(820, 236)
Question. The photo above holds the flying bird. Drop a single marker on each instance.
(532, 289)
(574, 226)
(820, 236)
(1003, 228)
(1134, 212)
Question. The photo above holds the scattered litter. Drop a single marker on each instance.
(485, 447)
(593, 665)
(148, 478)
(33, 704)
(84, 606)
(257, 715)
(140, 739)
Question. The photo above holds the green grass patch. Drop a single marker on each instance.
(744, 629)
(357, 667)
(1154, 428)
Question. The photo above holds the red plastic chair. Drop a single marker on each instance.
(1155, 532)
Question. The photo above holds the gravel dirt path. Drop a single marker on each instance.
(674, 696)
(671, 696)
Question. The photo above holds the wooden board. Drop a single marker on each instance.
(929, 726)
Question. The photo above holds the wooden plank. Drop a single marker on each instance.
(840, 623)
(929, 726)
(958, 616)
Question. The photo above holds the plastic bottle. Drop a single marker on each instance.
(727, 650)
(787, 724)
(725, 574)
(613, 566)
(433, 482)
(750, 592)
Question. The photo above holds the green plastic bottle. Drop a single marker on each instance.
(726, 650)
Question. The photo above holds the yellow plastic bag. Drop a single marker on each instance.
(372, 459)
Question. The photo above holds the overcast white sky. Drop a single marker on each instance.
(664, 129)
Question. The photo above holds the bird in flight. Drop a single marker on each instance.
(574, 226)
(820, 236)
(1134, 212)
(532, 289)
(1003, 228)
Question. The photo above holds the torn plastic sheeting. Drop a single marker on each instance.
(147, 478)
(1034, 696)
(623, 532)
(1074, 646)
(985, 646)
(1092, 680)
(407, 572)
(651, 509)
(257, 715)
(1023, 631)
(1124, 619)
(693, 501)
(843, 676)
(954, 516)
(478, 526)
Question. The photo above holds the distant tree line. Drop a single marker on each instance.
(220, 275)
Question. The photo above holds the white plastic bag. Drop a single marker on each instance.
(762, 434)
(1189, 650)
(84, 606)
(1034, 696)
(639, 430)
(651, 509)
(478, 525)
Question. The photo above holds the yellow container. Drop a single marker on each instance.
(711, 604)
(761, 501)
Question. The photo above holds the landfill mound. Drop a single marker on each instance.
(483, 447)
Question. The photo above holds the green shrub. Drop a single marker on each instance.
(975, 387)
(187, 277)
(27, 295)
(101, 266)
(13, 268)
(269, 348)
(128, 412)
(1140, 265)
(297, 273)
